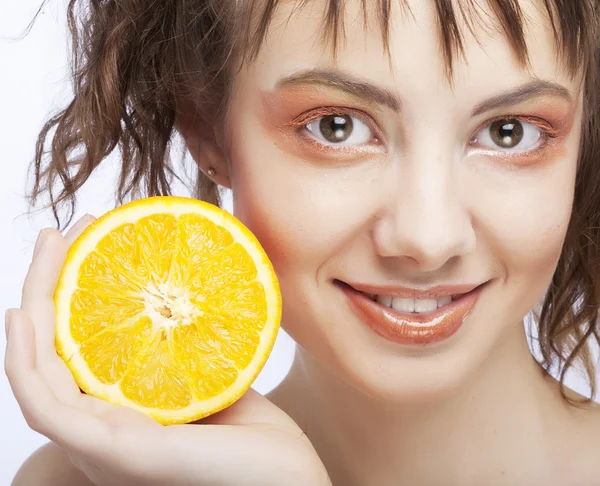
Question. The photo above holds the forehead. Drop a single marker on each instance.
(410, 56)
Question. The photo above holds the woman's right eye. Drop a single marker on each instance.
(339, 130)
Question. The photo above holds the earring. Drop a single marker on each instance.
(211, 172)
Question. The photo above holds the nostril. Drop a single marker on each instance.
(425, 235)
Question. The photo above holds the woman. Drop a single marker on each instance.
(421, 174)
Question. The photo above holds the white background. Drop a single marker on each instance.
(34, 82)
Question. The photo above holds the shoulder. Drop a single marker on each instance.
(576, 446)
(49, 466)
(585, 446)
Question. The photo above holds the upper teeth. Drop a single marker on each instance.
(413, 305)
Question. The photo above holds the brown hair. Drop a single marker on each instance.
(136, 62)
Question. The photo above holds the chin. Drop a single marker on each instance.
(385, 370)
(378, 371)
(404, 380)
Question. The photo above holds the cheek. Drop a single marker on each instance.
(259, 185)
(303, 214)
(523, 216)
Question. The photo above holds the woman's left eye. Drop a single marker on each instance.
(339, 130)
(509, 135)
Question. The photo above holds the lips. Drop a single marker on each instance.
(410, 328)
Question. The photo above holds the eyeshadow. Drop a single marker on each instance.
(283, 112)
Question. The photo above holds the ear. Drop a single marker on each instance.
(205, 148)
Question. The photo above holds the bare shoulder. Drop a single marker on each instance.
(586, 444)
(587, 429)
(49, 466)
(577, 446)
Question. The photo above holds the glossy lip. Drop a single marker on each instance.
(411, 328)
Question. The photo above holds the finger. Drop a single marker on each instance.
(38, 289)
(42, 311)
(69, 427)
(78, 228)
(40, 283)
(252, 408)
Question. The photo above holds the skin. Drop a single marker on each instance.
(424, 201)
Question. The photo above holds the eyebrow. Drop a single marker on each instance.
(375, 94)
(522, 93)
(343, 81)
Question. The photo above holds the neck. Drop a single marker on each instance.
(499, 413)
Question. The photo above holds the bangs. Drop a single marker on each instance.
(570, 20)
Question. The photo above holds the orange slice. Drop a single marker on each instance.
(168, 305)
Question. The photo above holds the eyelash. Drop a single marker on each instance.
(300, 122)
(304, 119)
(546, 129)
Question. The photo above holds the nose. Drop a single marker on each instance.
(426, 220)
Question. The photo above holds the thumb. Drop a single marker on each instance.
(121, 417)
(20, 343)
(252, 408)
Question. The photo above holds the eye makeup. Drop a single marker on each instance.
(286, 114)
(554, 120)
(302, 121)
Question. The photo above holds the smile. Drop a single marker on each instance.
(417, 306)
(409, 316)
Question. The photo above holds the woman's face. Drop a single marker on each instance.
(383, 176)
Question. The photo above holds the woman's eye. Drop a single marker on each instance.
(510, 134)
(339, 130)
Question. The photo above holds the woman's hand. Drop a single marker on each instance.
(251, 443)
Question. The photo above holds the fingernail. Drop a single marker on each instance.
(40, 242)
(88, 218)
(7, 322)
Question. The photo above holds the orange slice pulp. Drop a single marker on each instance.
(167, 305)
